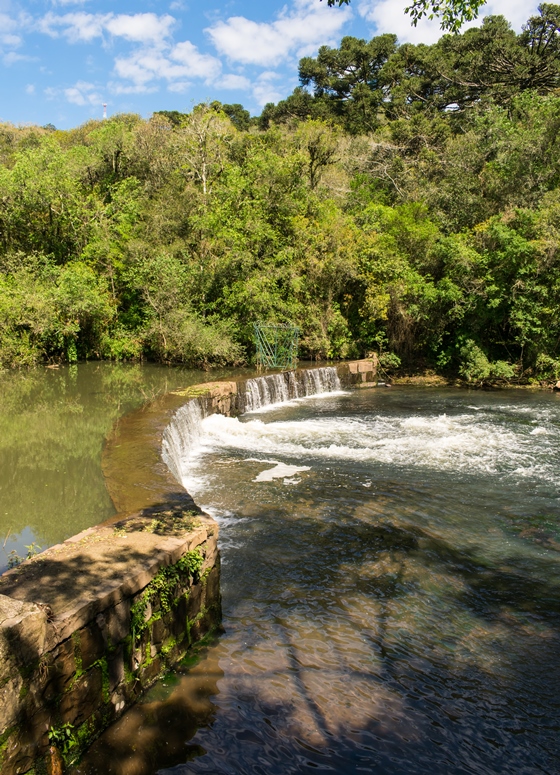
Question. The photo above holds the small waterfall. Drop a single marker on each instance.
(184, 431)
(277, 388)
(181, 435)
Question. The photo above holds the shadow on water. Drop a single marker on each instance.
(381, 649)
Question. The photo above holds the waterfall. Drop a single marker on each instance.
(184, 431)
(278, 388)
(181, 435)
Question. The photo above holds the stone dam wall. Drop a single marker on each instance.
(88, 625)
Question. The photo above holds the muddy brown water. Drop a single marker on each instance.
(391, 592)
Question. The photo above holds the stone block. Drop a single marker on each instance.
(178, 621)
(115, 663)
(83, 699)
(193, 602)
(118, 622)
(58, 671)
(158, 632)
(150, 672)
(213, 596)
(92, 644)
(24, 634)
(10, 702)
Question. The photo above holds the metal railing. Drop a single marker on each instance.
(277, 346)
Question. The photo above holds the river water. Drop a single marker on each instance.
(391, 593)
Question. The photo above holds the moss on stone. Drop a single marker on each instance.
(161, 589)
(4, 740)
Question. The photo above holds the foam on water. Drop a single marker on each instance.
(395, 608)
(468, 442)
(183, 436)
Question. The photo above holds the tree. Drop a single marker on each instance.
(453, 13)
(348, 78)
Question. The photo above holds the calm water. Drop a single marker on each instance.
(52, 426)
(391, 590)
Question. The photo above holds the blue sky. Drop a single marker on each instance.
(61, 59)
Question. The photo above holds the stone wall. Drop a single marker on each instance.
(125, 602)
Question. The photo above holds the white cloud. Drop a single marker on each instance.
(141, 27)
(75, 27)
(123, 88)
(30, 89)
(298, 32)
(264, 90)
(179, 87)
(146, 28)
(516, 11)
(83, 93)
(389, 16)
(9, 36)
(198, 65)
(177, 65)
(155, 58)
(232, 81)
(12, 57)
(146, 65)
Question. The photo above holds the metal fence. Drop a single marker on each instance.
(277, 346)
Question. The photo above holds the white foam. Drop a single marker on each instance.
(279, 471)
(460, 443)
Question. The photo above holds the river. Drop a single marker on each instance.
(391, 593)
(52, 426)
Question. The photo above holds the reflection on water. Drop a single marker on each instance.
(52, 426)
(394, 608)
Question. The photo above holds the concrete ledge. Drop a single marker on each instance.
(90, 624)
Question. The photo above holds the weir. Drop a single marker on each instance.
(88, 625)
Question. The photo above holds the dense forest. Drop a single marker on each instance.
(405, 199)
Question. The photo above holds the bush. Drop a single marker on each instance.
(179, 336)
(547, 368)
(475, 366)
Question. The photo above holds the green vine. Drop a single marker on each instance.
(162, 588)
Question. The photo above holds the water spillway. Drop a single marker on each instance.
(183, 432)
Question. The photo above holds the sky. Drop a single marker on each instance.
(60, 60)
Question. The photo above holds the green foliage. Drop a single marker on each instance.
(475, 366)
(453, 13)
(161, 590)
(64, 738)
(389, 361)
(404, 199)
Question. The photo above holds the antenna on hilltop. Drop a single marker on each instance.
(104, 110)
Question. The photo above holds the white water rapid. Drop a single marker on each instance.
(183, 434)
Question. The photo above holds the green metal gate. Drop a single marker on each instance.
(277, 346)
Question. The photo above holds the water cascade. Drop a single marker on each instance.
(183, 433)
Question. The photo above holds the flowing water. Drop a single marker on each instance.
(391, 592)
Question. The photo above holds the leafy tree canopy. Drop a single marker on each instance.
(452, 13)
